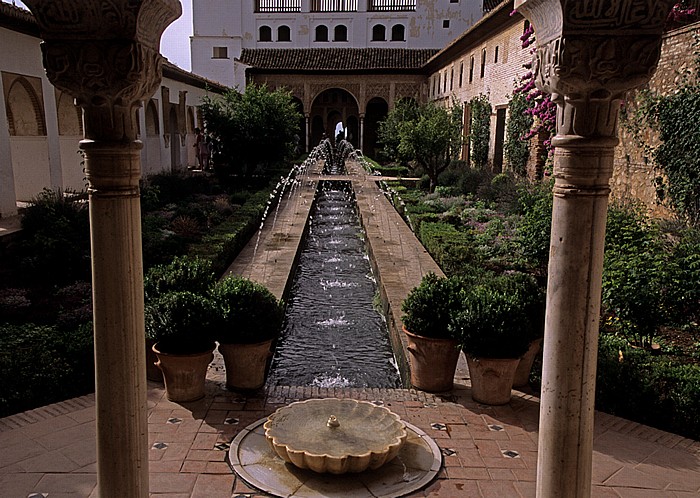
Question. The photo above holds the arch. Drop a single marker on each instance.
(378, 32)
(321, 33)
(284, 34)
(152, 124)
(340, 33)
(330, 107)
(375, 112)
(190, 119)
(24, 110)
(70, 117)
(398, 32)
(265, 34)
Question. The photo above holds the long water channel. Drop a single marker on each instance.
(334, 336)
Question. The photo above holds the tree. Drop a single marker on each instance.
(480, 130)
(256, 127)
(389, 137)
(431, 136)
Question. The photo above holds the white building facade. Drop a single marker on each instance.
(40, 126)
(223, 28)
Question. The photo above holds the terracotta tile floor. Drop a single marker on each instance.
(487, 451)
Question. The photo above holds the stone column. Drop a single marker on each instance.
(588, 55)
(362, 133)
(106, 56)
(307, 132)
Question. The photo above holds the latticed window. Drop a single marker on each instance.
(277, 5)
(391, 5)
(333, 5)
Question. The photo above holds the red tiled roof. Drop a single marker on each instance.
(336, 59)
(18, 19)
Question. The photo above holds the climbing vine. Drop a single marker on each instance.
(675, 150)
(480, 130)
(517, 147)
(540, 106)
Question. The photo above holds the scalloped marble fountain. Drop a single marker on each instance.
(335, 436)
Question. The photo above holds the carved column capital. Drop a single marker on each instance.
(590, 53)
(105, 54)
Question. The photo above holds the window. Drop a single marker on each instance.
(495, 55)
(378, 32)
(219, 53)
(454, 1)
(446, 23)
(461, 73)
(340, 33)
(444, 82)
(398, 32)
(471, 69)
(483, 63)
(284, 34)
(321, 33)
(265, 33)
(452, 79)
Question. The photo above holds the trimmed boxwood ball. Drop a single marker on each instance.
(499, 317)
(247, 312)
(181, 321)
(429, 306)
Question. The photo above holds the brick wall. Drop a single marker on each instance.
(633, 174)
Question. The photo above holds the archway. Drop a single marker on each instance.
(377, 110)
(329, 108)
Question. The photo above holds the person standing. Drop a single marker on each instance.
(198, 141)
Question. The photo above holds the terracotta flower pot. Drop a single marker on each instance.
(492, 379)
(184, 374)
(522, 373)
(433, 362)
(246, 364)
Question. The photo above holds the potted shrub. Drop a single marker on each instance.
(184, 273)
(495, 329)
(180, 324)
(432, 348)
(249, 318)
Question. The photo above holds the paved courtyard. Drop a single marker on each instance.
(487, 451)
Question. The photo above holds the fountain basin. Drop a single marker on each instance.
(335, 436)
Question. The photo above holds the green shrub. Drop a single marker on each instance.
(429, 307)
(184, 273)
(635, 279)
(632, 383)
(40, 365)
(449, 247)
(183, 320)
(500, 315)
(248, 312)
(55, 246)
(534, 231)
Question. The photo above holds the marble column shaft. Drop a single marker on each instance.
(106, 56)
(588, 55)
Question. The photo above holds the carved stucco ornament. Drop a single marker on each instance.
(106, 54)
(590, 53)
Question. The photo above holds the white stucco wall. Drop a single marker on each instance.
(221, 23)
(30, 163)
